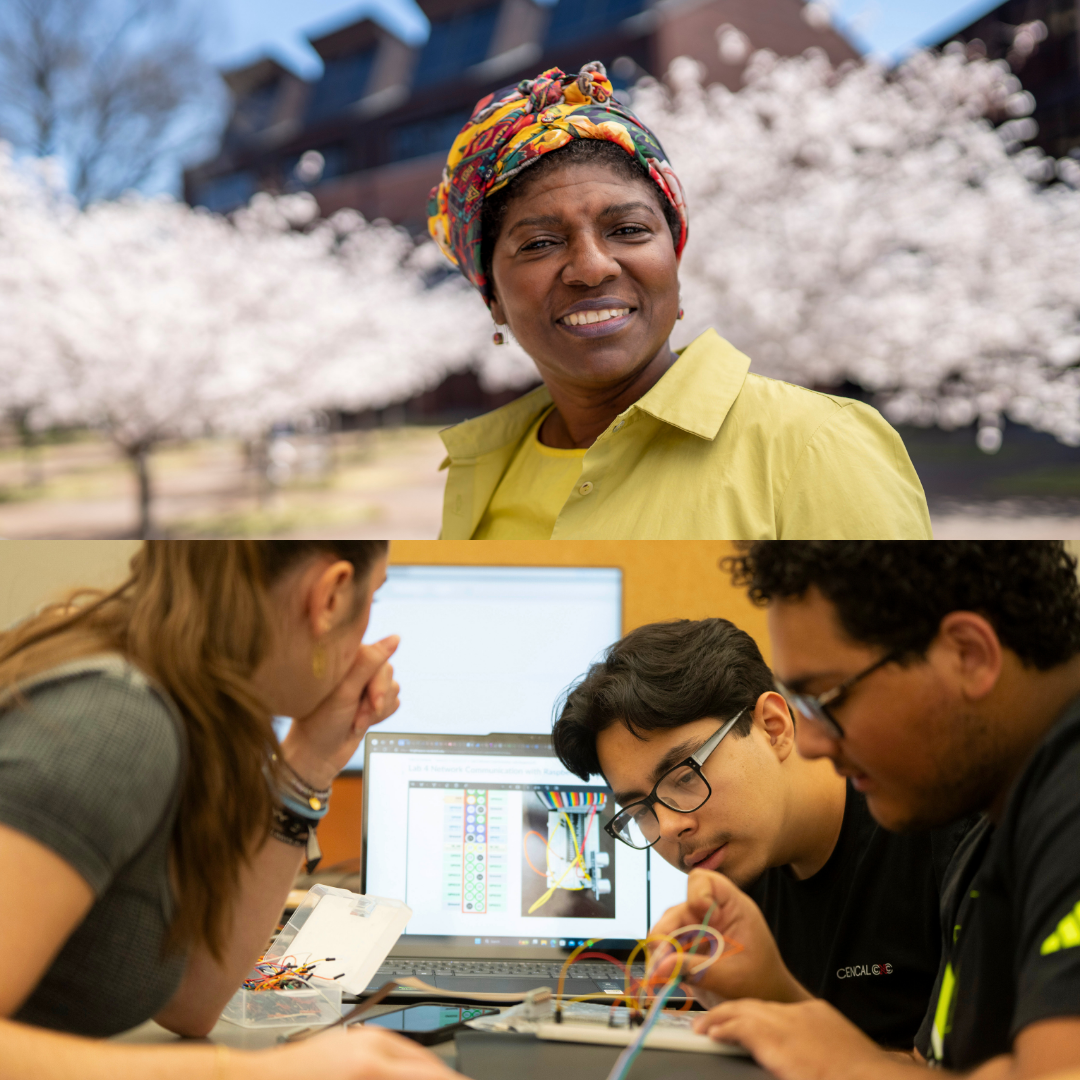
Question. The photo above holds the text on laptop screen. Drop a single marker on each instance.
(492, 841)
(491, 648)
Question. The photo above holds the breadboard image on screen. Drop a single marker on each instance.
(476, 833)
(568, 869)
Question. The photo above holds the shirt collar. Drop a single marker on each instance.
(696, 393)
(494, 430)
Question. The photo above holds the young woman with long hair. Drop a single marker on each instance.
(151, 824)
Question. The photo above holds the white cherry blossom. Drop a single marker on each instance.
(871, 225)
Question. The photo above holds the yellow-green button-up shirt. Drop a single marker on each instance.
(710, 452)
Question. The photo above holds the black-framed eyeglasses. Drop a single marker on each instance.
(815, 706)
(683, 788)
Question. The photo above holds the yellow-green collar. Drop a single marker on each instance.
(472, 439)
(695, 395)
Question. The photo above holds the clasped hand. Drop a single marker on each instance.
(320, 744)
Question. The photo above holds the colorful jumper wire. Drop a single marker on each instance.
(572, 800)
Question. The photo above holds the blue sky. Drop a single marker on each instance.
(244, 29)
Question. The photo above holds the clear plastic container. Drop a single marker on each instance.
(358, 930)
(286, 1008)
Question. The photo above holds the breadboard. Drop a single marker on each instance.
(587, 1022)
(666, 1038)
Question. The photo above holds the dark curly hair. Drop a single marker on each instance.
(662, 675)
(895, 594)
(578, 151)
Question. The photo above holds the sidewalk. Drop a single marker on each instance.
(384, 484)
(1006, 520)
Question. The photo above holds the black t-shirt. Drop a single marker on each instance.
(864, 931)
(1011, 906)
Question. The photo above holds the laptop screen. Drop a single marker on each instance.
(498, 850)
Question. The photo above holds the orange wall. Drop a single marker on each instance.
(662, 579)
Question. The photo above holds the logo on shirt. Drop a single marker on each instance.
(861, 970)
(1066, 934)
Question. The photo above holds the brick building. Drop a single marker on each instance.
(383, 114)
(1047, 62)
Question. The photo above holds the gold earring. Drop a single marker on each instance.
(318, 660)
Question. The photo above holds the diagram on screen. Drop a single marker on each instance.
(567, 858)
(475, 826)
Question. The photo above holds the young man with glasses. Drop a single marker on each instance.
(683, 721)
(942, 679)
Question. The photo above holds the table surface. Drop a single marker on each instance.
(491, 1055)
(241, 1038)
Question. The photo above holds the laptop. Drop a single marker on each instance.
(502, 855)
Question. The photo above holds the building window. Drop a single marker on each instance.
(224, 193)
(343, 83)
(454, 44)
(429, 136)
(254, 112)
(581, 19)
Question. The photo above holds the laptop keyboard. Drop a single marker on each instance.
(505, 969)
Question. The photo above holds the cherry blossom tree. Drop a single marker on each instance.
(876, 226)
(150, 320)
(33, 208)
(172, 322)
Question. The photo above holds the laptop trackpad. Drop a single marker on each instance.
(499, 984)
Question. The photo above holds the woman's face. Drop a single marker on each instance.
(583, 241)
(320, 600)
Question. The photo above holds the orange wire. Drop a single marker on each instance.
(525, 848)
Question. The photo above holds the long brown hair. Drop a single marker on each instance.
(193, 616)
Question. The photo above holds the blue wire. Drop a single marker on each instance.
(629, 1055)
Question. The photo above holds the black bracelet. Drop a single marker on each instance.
(291, 828)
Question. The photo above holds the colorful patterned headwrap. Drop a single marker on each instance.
(509, 132)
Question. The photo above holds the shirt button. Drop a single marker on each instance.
(585, 488)
(618, 425)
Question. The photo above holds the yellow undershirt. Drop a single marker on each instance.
(532, 491)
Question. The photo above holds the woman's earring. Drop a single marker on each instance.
(318, 660)
(498, 338)
(681, 313)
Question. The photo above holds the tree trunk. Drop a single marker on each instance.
(140, 459)
(33, 470)
(33, 467)
(333, 434)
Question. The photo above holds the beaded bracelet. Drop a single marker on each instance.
(301, 797)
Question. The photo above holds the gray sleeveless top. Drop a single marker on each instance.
(91, 755)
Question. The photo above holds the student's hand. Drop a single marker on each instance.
(809, 1040)
(357, 1053)
(756, 970)
(319, 745)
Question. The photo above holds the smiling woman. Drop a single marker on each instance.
(560, 207)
